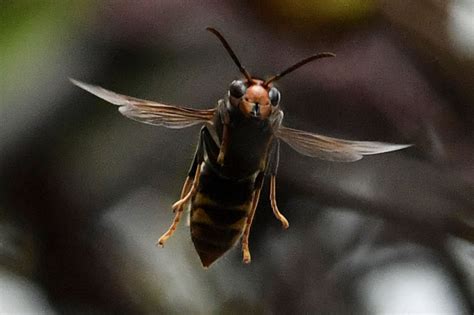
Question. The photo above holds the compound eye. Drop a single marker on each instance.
(274, 96)
(237, 88)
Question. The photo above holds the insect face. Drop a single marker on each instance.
(254, 100)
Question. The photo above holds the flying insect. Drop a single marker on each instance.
(238, 148)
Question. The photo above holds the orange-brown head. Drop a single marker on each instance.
(256, 98)
(253, 98)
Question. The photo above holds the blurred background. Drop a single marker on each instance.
(85, 193)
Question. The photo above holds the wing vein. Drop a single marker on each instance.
(149, 112)
(333, 149)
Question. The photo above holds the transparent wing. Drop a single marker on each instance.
(149, 112)
(333, 149)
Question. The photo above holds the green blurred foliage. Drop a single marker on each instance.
(31, 32)
(334, 12)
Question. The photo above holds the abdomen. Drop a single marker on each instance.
(219, 211)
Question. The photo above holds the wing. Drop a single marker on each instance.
(333, 149)
(149, 112)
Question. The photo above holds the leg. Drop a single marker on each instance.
(186, 188)
(189, 192)
(276, 212)
(190, 185)
(225, 119)
(245, 237)
(178, 207)
(198, 158)
(272, 167)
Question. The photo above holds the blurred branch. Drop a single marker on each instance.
(434, 28)
(406, 191)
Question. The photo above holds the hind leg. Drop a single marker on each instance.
(189, 190)
(190, 185)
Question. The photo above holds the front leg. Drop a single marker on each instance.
(272, 168)
(248, 225)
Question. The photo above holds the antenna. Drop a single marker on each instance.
(231, 52)
(297, 65)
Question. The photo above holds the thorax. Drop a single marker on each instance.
(248, 143)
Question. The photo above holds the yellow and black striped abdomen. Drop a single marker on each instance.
(219, 211)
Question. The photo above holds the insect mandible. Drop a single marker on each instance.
(238, 148)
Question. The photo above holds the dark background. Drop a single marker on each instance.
(85, 193)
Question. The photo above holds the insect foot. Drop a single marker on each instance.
(246, 256)
(162, 240)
